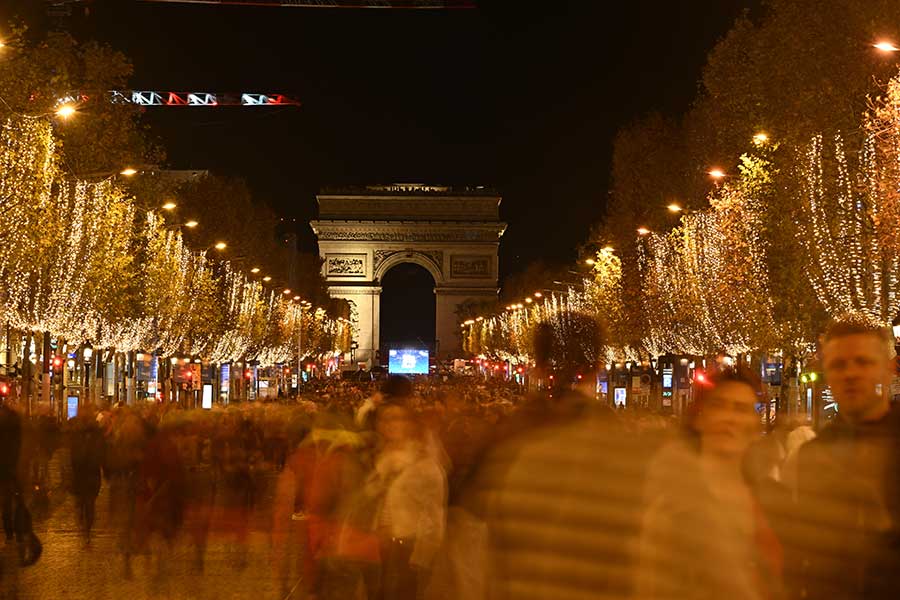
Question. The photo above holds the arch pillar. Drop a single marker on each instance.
(367, 328)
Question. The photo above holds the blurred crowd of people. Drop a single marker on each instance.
(462, 488)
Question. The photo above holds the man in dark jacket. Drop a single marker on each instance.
(846, 534)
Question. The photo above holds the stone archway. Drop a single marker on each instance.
(454, 233)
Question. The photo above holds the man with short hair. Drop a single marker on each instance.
(847, 536)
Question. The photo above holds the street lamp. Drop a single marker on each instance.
(760, 138)
(65, 111)
(267, 279)
(538, 295)
(716, 173)
(885, 46)
(254, 270)
(128, 171)
(191, 224)
(590, 262)
(220, 246)
(643, 231)
(169, 206)
(674, 208)
(286, 292)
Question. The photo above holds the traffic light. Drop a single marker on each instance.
(4, 389)
(248, 374)
(57, 363)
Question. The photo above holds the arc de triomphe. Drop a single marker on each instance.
(452, 232)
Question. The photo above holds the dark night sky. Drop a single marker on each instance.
(522, 95)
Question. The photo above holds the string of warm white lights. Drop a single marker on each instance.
(76, 264)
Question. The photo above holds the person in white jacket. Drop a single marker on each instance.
(412, 482)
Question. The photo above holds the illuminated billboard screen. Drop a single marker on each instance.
(408, 362)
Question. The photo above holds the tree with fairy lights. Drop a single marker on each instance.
(850, 208)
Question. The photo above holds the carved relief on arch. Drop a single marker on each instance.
(435, 257)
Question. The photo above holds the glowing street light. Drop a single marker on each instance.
(191, 224)
(296, 297)
(286, 292)
(590, 262)
(267, 279)
(65, 111)
(128, 171)
(169, 206)
(254, 270)
(675, 208)
(885, 46)
(220, 246)
(643, 231)
(760, 138)
(538, 295)
(528, 300)
(716, 173)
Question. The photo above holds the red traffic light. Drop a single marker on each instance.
(57, 362)
(700, 377)
(248, 373)
(4, 389)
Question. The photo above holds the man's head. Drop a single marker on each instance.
(857, 357)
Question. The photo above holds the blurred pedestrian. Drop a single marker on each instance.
(87, 448)
(704, 534)
(412, 485)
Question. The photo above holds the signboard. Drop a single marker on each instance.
(667, 379)
(196, 379)
(620, 397)
(225, 379)
(72, 407)
(207, 398)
